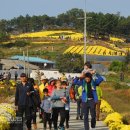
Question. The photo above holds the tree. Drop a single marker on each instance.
(117, 66)
(4, 37)
(72, 63)
(128, 57)
(3, 24)
(99, 24)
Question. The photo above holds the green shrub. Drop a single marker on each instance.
(21, 43)
(117, 66)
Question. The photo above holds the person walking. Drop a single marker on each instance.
(23, 100)
(42, 86)
(67, 87)
(51, 86)
(46, 106)
(36, 101)
(9, 76)
(98, 104)
(79, 102)
(16, 75)
(89, 100)
(58, 105)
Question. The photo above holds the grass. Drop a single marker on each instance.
(119, 99)
(117, 93)
(116, 78)
(48, 51)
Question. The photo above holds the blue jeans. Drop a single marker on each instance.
(89, 106)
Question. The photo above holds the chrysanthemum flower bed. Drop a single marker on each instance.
(7, 112)
(114, 120)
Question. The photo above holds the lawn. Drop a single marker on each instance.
(119, 99)
(47, 51)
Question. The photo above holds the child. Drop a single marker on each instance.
(46, 106)
(88, 68)
(67, 105)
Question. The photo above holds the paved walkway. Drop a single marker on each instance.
(77, 124)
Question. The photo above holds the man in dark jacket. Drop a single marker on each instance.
(23, 100)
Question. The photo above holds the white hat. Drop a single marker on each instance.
(43, 77)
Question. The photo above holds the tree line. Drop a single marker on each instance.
(97, 23)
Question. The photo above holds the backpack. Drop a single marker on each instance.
(36, 99)
(72, 93)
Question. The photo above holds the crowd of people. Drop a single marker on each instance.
(8, 76)
(53, 97)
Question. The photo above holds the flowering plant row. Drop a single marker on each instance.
(113, 119)
(7, 112)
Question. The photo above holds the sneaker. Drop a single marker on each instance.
(81, 117)
(61, 128)
(67, 126)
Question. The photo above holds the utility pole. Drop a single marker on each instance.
(28, 63)
(24, 62)
(85, 33)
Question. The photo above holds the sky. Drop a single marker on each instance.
(14, 8)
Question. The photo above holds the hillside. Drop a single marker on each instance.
(49, 44)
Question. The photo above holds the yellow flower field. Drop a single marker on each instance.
(115, 39)
(95, 50)
(50, 34)
(113, 119)
(7, 111)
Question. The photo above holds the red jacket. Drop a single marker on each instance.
(50, 89)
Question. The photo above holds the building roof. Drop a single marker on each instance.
(8, 64)
(32, 59)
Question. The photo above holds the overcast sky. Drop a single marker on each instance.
(13, 8)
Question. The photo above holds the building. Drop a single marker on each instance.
(100, 68)
(41, 63)
(8, 64)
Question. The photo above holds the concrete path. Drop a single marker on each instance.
(77, 124)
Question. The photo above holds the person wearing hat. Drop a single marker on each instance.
(23, 101)
(51, 86)
(42, 86)
(63, 77)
